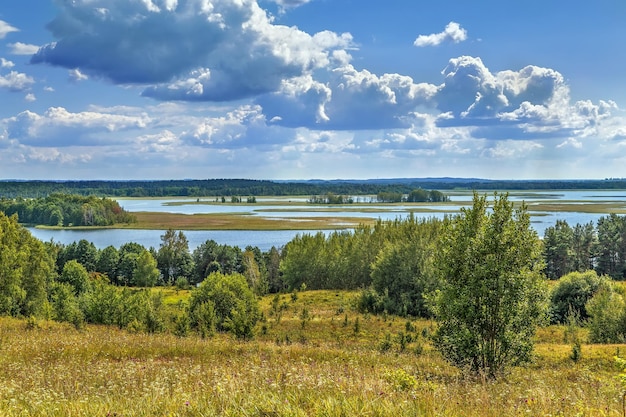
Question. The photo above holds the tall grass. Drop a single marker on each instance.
(328, 366)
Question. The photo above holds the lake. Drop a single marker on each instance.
(265, 239)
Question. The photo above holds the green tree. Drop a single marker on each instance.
(173, 257)
(606, 315)
(493, 295)
(26, 268)
(558, 250)
(75, 274)
(233, 304)
(108, 260)
(571, 294)
(146, 273)
(611, 246)
(402, 274)
(128, 254)
(256, 281)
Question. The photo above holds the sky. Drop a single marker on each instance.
(312, 89)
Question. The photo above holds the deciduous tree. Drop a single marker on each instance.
(493, 295)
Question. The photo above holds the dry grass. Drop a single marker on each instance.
(318, 364)
(238, 221)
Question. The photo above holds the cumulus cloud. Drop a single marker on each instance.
(19, 48)
(59, 127)
(5, 29)
(232, 130)
(452, 33)
(533, 102)
(16, 81)
(30, 97)
(190, 50)
(4, 63)
(351, 99)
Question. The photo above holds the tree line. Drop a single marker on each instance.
(601, 247)
(235, 187)
(66, 210)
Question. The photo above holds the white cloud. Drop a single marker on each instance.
(226, 131)
(288, 4)
(16, 81)
(30, 97)
(58, 127)
(197, 51)
(75, 75)
(19, 48)
(452, 33)
(4, 63)
(5, 29)
(351, 99)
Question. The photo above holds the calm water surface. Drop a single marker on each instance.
(265, 239)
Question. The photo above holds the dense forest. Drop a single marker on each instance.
(238, 187)
(66, 210)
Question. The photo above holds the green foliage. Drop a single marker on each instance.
(343, 260)
(493, 293)
(204, 318)
(65, 305)
(256, 280)
(173, 257)
(145, 273)
(611, 251)
(606, 315)
(423, 196)
(400, 380)
(60, 209)
(403, 273)
(330, 198)
(557, 246)
(211, 257)
(235, 305)
(76, 275)
(26, 268)
(571, 294)
(137, 310)
(108, 260)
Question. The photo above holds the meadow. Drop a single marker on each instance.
(313, 355)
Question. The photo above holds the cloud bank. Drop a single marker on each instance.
(189, 50)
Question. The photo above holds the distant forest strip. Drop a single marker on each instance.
(247, 187)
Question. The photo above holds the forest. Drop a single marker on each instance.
(238, 187)
(59, 209)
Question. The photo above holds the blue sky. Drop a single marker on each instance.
(300, 89)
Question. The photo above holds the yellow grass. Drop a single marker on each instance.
(319, 364)
(238, 221)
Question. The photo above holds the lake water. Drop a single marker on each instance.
(265, 239)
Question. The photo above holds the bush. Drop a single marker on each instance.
(606, 315)
(572, 293)
(233, 303)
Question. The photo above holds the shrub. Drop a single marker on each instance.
(233, 302)
(572, 293)
(606, 315)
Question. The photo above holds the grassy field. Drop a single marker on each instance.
(238, 221)
(313, 356)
